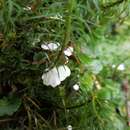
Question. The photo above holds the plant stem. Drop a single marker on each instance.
(68, 22)
(94, 108)
(62, 94)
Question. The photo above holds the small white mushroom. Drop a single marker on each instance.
(54, 76)
(28, 8)
(69, 127)
(69, 51)
(64, 72)
(113, 66)
(76, 87)
(121, 67)
(51, 78)
(50, 46)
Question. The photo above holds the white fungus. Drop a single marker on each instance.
(69, 51)
(54, 76)
(28, 8)
(51, 78)
(113, 66)
(50, 46)
(76, 87)
(121, 67)
(69, 127)
(63, 72)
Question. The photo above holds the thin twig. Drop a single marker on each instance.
(7, 120)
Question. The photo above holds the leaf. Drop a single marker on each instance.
(84, 58)
(87, 82)
(9, 105)
(104, 93)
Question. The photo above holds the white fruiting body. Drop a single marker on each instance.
(50, 46)
(69, 51)
(76, 87)
(69, 127)
(121, 67)
(54, 76)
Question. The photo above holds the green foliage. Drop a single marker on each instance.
(9, 105)
(97, 30)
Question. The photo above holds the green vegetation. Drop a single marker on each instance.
(63, 62)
